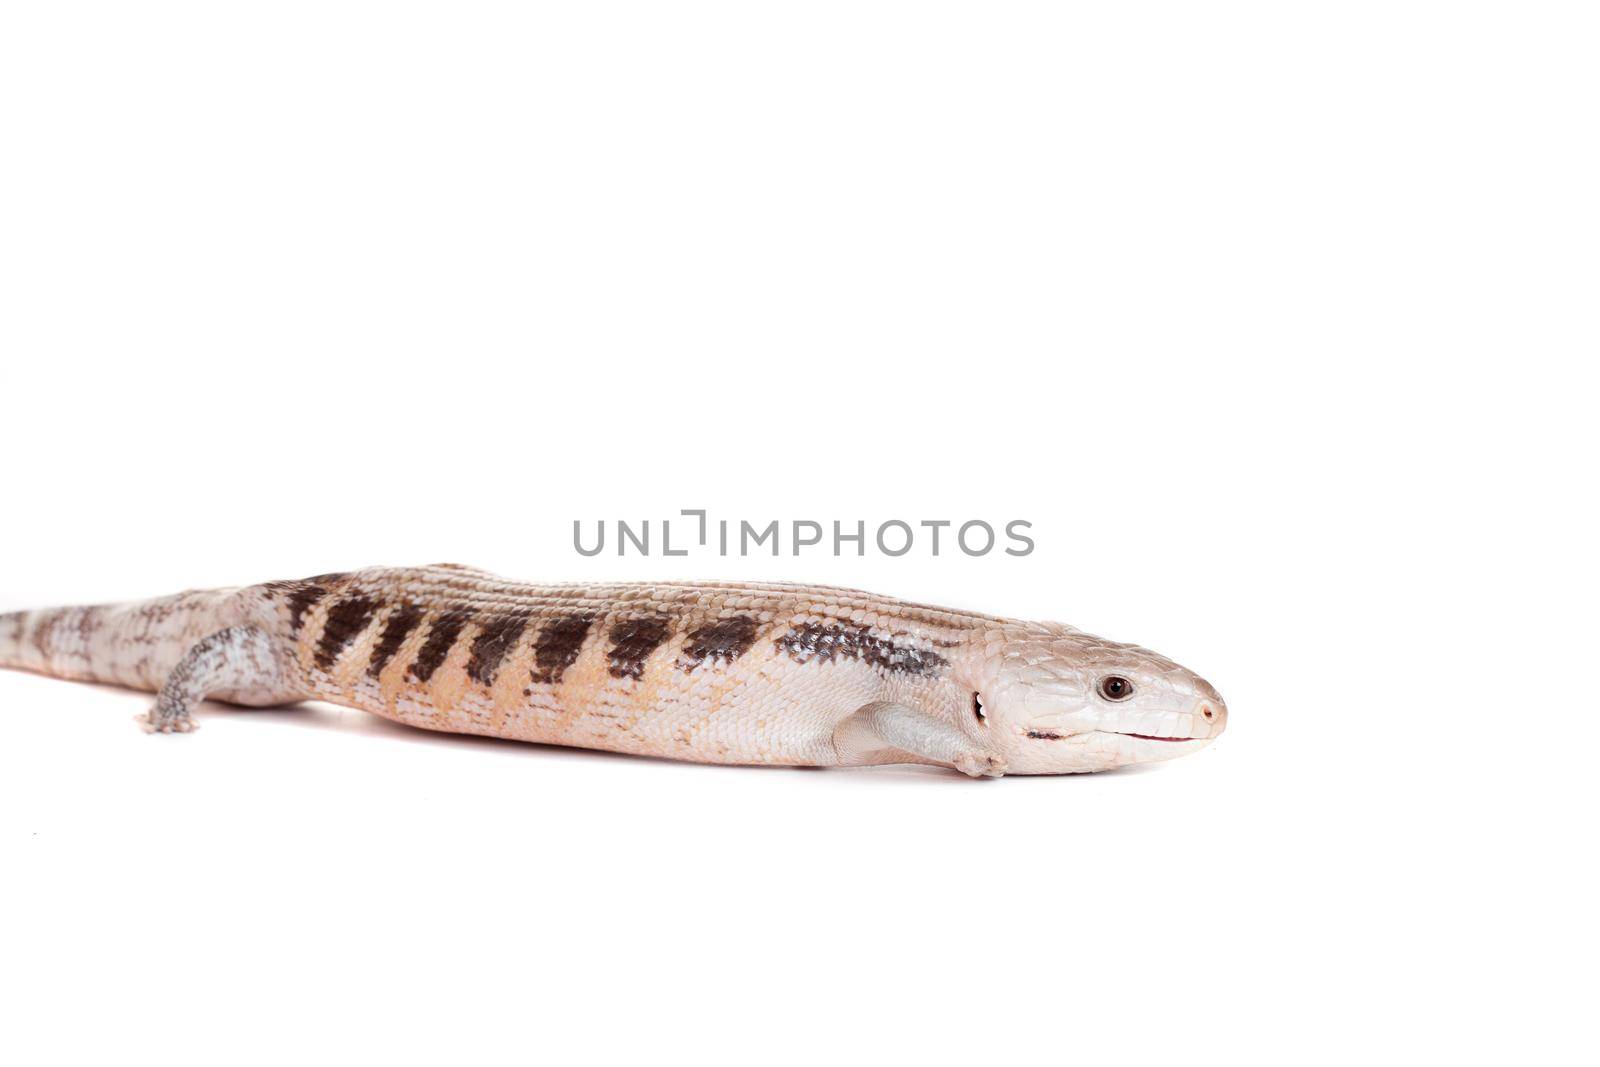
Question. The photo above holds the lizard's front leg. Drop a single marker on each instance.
(881, 727)
(241, 663)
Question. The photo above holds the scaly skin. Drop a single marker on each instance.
(711, 672)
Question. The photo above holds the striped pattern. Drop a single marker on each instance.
(560, 642)
(553, 625)
(632, 641)
(346, 619)
(400, 624)
(443, 633)
(826, 641)
(497, 635)
(708, 671)
(722, 641)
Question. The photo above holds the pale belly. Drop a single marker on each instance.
(765, 710)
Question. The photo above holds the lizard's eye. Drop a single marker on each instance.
(977, 709)
(1115, 687)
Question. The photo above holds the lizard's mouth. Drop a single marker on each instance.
(1051, 735)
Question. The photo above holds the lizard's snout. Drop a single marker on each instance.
(1213, 713)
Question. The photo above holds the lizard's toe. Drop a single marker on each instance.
(981, 766)
(154, 723)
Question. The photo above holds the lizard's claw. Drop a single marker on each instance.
(979, 765)
(156, 723)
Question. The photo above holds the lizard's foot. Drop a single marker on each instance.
(981, 766)
(240, 658)
(165, 721)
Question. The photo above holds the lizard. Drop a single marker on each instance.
(710, 672)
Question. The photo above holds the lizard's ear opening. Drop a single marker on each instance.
(977, 710)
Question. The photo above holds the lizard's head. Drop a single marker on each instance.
(1050, 699)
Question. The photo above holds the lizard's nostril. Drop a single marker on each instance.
(1208, 711)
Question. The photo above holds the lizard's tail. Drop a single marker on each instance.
(135, 645)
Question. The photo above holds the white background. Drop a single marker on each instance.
(1277, 321)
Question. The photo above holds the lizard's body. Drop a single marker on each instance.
(711, 672)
